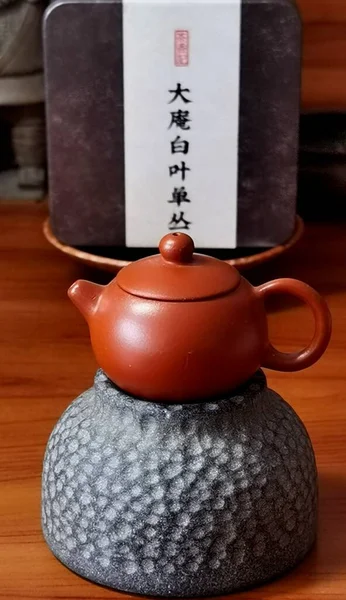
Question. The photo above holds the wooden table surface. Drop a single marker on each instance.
(324, 54)
(45, 361)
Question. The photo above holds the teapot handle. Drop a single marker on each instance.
(295, 361)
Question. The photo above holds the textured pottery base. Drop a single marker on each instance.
(179, 500)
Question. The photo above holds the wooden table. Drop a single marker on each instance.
(324, 54)
(45, 361)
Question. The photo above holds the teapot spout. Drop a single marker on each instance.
(85, 295)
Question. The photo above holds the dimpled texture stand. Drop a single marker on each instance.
(179, 499)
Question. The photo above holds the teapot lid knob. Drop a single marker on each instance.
(177, 248)
(178, 273)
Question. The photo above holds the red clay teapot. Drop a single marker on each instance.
(181, 326)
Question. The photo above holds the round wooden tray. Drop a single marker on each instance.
(113, 265)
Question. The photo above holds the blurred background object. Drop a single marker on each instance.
(322, 167)
(22, 131)
(323, 121)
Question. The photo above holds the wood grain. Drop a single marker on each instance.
(322, 11)
(324, 56)
(45, 361)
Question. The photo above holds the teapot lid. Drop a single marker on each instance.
(177, 273)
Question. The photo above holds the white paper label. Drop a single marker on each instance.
(181, 107)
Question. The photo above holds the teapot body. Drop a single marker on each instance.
(181, 326)
(191, 499)
(179, 351)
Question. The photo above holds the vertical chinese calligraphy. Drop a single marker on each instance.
(180, 119)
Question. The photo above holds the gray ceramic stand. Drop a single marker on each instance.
(180, 499)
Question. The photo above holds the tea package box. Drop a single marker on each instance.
(172, 116)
